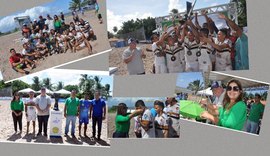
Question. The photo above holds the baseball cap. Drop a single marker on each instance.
(216, 84)
(131, 40)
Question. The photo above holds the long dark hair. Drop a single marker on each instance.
(121, 109)
(14, 96)
(227, 99)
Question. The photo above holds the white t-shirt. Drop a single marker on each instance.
(31, 110)
(78, 35)
(147, 115)
(50, 24)
(219, 100)
(136, 65)
(160, 121)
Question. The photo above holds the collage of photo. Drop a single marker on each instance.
(199, 42)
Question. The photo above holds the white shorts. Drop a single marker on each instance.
(192, 67)
(31, 117)
(82, 45)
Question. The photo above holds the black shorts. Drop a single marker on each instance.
(22, 67)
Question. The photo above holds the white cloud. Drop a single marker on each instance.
(117, 20)
(7, 23)
(175, 4)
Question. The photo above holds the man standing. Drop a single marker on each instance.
(43, 104)
(255, 115)
(30, 111)
(146, 120)
(172, 112)
(71, 112)
(98, 113)
(133, 56)
(84, 113)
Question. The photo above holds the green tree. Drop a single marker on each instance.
(36, 84)
(115, 29)
(60, 85)
(242, 12)
(98, 85)
(47, 83)
(72, 87)
(77, 4)
(195, 86)
(110, 35)
(18, 85)
(174, 11)
(86, 83)
(107, 90)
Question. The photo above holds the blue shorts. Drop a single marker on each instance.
(84, 120)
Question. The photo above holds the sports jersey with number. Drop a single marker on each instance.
(161, 124)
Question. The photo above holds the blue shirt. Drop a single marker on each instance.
(84, 108)
(241, 53)
(153, 112)
(97, 107)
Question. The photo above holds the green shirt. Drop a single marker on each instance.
(256, 112)
(122, 123)
(234, 118)
(17, 105)
(57, 24)
(72, 106)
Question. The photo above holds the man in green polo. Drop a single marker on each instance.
(71, 112)
(256, 113)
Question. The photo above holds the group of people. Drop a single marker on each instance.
(39, 107)
(190, 47)
(162, 121)
(229, 109)
(48, 36)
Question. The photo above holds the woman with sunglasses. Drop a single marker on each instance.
(233, 112)
(122, 121)
(17, 109)
(57, 24)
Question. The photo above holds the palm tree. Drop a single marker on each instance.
(107, 90)
(86, 83)
(36, 83)
(77, 4)
(195, 86)
(98, 85)
(60, 85)
(115, 29)
(47, 83)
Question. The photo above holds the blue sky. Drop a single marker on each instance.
(183, 79)
(55, 7)
(119, 11)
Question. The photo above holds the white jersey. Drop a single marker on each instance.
(161, 121)
(191, 52)
(173, 58)
(205, 63)
(223, 58)
(60, 40)
(160, 61)
(173, 115)
(147, 115)
(78, 35)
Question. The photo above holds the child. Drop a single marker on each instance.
(30, 111)
(83, 113)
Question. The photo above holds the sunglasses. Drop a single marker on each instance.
(234, 88)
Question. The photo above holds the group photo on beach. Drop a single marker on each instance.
(143, 117)
(47, 109)
(223, 100)
(53, 34)
(199, 39)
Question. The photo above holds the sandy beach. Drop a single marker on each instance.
(115, 59)
(111, 126)
(12, 41)
(7, 131)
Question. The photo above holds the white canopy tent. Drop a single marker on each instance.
(62, 91)
(47, 91)
(207, 91)
(27, 90)
(183, 90)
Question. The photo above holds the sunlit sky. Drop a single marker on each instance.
(184, 79)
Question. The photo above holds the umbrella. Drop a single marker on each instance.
(62, 91)
(190, 109)
(207, 91)
(27, 90)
